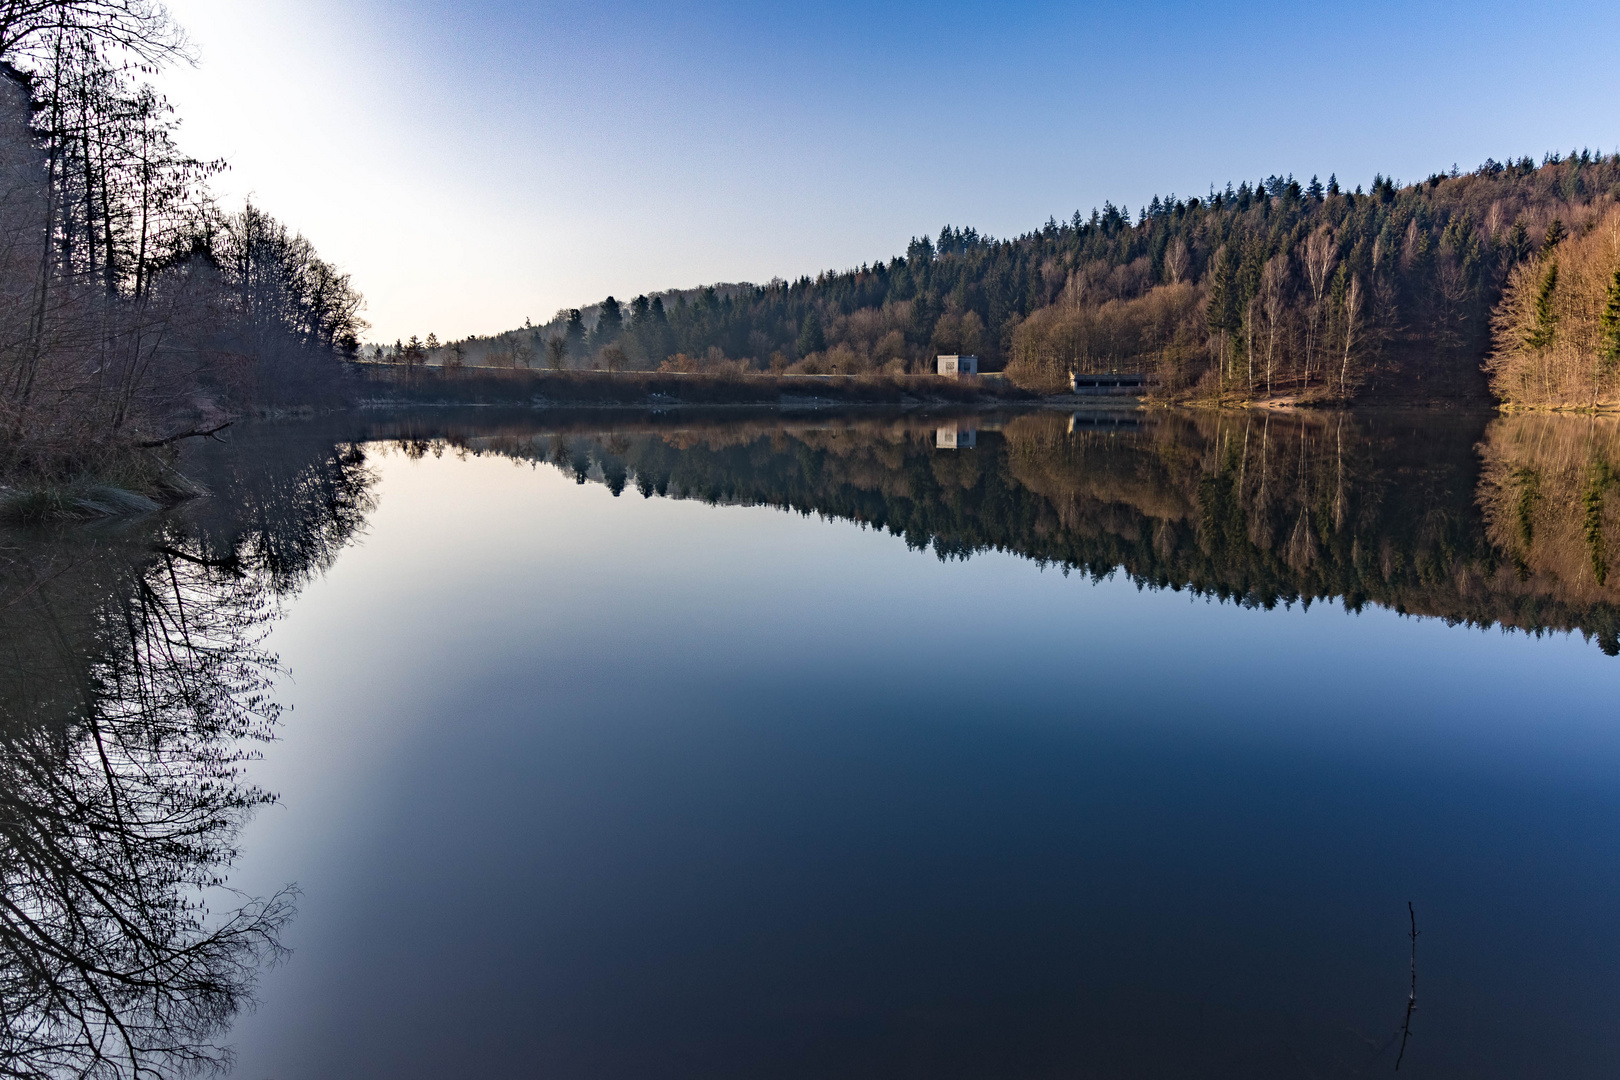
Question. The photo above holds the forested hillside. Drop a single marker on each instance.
(1277, 287)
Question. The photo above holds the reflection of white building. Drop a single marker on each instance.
(956, 438)
(957, 365)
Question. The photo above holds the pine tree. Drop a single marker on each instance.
(1541, 332)
(1555, 233)
(1609, 321)
(660, 341)
(574, 332)
(608, 325)
(811, 338)
(1518, 240)
(1221, 312)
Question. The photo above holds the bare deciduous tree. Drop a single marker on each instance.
(1320, 255)
(1352, 327)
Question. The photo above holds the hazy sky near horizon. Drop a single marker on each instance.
(476, 163)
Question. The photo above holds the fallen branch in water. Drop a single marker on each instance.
(196, 434)
(1411, 999)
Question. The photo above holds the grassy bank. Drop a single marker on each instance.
(135, 481)
(505, 386)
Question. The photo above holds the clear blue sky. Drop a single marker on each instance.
(479, 162)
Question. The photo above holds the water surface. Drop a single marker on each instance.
(674, 746)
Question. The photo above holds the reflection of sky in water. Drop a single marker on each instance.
(584, 786)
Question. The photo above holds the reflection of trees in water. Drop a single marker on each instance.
(135, 687)
(1548, 497)
(1256, 508)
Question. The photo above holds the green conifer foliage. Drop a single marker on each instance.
(1609, 322)
(1541, 332)
(1555, 233)
(1518, 241)
(574, 331)
(811, 338)
(609, 324)
(1599, 478)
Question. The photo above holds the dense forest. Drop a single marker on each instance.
(134, 308)
(1276, 288)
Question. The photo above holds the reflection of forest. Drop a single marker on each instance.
(132, 691)
(1487, 521)
(134, 679)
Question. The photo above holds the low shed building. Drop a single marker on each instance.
(957, 365)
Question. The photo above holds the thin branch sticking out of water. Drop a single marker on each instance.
(1411, 999)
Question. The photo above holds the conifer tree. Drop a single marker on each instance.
(1555, 233)
(608, 324)
(1546, 321)
(1221, 312)
(811, 337)
(574, 332)
(1518, 240)
(1609, 323)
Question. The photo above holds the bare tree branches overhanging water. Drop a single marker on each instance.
(135, 689)
(130, 305)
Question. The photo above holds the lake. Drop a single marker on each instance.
(741, 744)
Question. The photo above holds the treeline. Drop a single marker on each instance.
(1277, 287)
(132, 307)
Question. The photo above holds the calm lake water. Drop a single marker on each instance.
(1112, 745)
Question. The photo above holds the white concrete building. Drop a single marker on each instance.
(957, 365)
(955, 437)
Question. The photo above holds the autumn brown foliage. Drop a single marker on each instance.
(1556, 343)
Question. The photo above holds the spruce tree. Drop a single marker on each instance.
(811, 339)
(1609, 321)
(1221, 312)
(608, 324)
(1518, 241)
(1555, 233)
(1546, 320)
(574, 332)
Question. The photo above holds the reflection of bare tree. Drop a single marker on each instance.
(135, 689)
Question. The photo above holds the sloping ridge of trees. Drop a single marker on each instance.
(133, 310)
(1276, 288)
